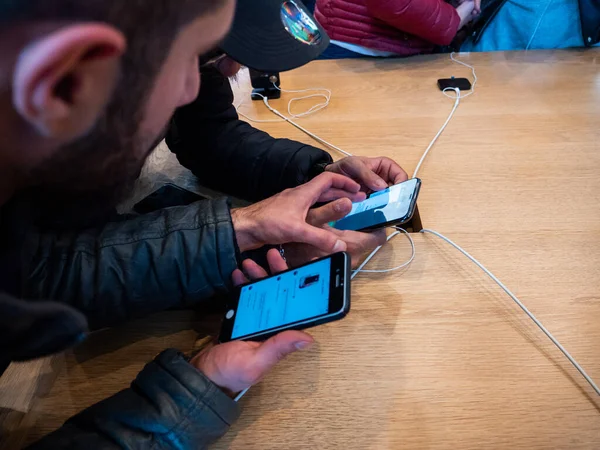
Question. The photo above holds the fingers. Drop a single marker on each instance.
(331, 212)
(238, 277)
(333, 194)
(278, 347)
(390, 171)
(375, 239)
(360, 243)
(276, 262)
(359, 171)
(253, 270)
(315, 189)
(322, 239)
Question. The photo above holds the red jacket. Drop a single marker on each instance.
(404, 27)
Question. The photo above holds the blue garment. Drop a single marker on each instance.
(337, 52)
(310, 5)
(531, 24)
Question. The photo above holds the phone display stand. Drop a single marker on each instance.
(264, 85)
(414, 225)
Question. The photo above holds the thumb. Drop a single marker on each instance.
(322, 239)
(279, 346)
(361, 173)
(330, 212)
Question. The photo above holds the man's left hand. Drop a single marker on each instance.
(373, 174)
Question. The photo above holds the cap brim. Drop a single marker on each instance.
(260, 39)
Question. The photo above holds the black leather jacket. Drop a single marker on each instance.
(589, 12)
(135, 265)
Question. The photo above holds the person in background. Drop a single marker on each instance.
(392, 27)
(534, 24)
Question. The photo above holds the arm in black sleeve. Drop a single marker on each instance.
(170, 405)
(174, 257)
(229, 155)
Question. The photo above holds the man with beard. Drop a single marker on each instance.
(128, 266)
(84, 87)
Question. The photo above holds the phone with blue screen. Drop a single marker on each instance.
(392, 206)
(309, 295)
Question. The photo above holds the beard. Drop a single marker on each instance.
(82, 184)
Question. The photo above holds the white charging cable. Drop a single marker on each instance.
(312, 110)
(374, 252)
(304, 130)
(522, 306)
(458, 96)
(439, 133)
(324, 93)
(241, 394)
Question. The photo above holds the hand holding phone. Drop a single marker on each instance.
(237, 365)
(316, 293)
(282, 218)
(357, 243)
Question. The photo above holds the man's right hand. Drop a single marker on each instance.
(282, 218)
(357, 243)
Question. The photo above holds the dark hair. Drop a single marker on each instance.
(148, 25)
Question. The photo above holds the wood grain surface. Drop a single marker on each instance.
(435, 356)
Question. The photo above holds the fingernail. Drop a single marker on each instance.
(382, 184)
(303, 345)
(339, 246)
(340, 206)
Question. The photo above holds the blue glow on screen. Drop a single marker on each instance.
(291, 297)
(384, 206)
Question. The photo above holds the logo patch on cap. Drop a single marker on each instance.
(299, 24)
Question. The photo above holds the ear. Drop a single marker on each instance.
(63, 81)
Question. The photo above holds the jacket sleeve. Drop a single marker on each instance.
(229, 155)
(433, 20)
(170, 405)
(142, 264)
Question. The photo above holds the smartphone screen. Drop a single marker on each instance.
(297, 296)
(395, 204)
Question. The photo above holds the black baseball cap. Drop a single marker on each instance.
(274, 35)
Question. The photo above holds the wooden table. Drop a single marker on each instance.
(436, 356)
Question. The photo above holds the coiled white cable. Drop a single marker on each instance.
(374, 252)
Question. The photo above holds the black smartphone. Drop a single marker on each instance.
(450, 83)
(309, 295)
(392, 206)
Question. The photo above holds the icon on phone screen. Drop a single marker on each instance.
(309, 281)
